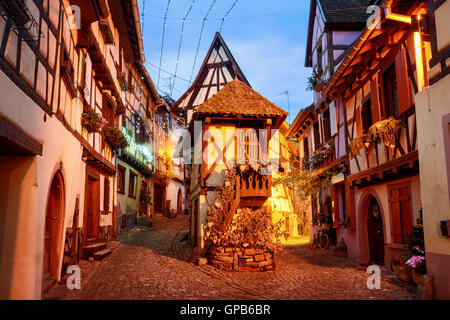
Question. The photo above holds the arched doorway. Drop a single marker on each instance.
(375, 232)
(179, 202)
(54, 219)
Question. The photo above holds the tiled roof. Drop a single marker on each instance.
(345, 11)
(236, 98)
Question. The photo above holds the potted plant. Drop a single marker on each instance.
(346, 223)
(116, 138)
(395, 264)
(341, 248)
(414, 254)
(313, 81)
(92, 121)
(417, 265)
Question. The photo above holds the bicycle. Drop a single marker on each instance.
(321, 239)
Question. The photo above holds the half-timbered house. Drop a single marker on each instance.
(62, 78)
(218, 68)
(237, 126)
(373, 91)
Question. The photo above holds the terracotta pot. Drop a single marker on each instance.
(416, 276)
(405, 276)
(396, 268)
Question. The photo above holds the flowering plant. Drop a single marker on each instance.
(415, 262)
(92, 121)
(116, 138)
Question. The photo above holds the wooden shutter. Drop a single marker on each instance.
(405, 209)
(403, 85)
(359, 124)
(106, 196)
(350, 205)
(375, 99)
(396, 216)
(335, 205)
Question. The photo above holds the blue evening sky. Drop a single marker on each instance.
(266, 37)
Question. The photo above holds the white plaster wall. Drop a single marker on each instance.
(432, 106)
(59, 146)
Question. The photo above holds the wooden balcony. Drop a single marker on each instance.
(254, 185)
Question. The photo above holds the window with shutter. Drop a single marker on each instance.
(121, 179)
(248, 147)
(390, 93)
(366, 115)
(305, 148)
(316, 134)
(375, 99)
(350, 205)
(359, 124)
(106, 196)
(326, 125)
(401, 214)
(403, 85)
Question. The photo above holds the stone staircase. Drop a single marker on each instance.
(95, 249)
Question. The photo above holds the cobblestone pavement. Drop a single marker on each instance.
(150, 265)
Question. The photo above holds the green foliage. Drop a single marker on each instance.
(346, 223)
(415, 243)
(92, 121)
(313, 79)
(116, 138)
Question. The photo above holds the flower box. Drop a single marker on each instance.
(92, 121)
(115, 138)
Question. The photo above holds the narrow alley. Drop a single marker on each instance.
(150, 265)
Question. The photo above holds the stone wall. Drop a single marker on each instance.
(239, 259)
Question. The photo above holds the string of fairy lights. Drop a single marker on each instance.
(200, 40)
(179, 46)
(174, 77)
(184, 19)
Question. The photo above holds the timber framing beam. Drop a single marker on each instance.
(404, 166)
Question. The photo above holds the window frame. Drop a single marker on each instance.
(366, 115)
(132, 177)
(121, 171)
(390, 92)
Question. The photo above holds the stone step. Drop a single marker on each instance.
(100, 255)
(90, 250)
(91, 241)
(49, 282)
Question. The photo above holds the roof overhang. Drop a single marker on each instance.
(372, 47)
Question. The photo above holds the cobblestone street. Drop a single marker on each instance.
(150, 265)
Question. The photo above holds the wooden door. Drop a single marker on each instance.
(158, 199)
(92, 208)
(375, 232)
(179, 203)
(53, 225)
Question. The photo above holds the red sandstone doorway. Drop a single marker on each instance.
(54, 219)
(375, 232)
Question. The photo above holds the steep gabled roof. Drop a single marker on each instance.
(237, 98)
(218, 69)
(345, 11)
(339, 15)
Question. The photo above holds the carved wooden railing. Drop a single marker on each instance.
(255, 185)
